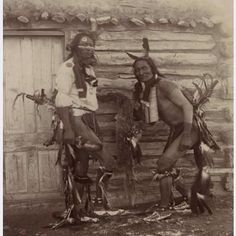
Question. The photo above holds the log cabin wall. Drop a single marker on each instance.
(183, 49)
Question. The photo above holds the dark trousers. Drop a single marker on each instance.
(102, 155)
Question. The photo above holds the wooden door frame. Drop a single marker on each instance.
(37, 33)
(32, 33)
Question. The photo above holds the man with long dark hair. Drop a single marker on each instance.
(157, 97)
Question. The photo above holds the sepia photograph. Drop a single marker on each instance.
(118, 117)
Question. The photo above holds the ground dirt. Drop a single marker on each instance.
(30, 221)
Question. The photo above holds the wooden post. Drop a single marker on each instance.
(93, 24)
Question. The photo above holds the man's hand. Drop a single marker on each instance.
(185, 143)
(65, 116)
(59, 136)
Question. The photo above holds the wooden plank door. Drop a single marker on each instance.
(30, 63)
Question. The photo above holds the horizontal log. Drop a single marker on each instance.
(107, 108)
(105, 117)
(220, 127)
(136, 45)
(120, 200)
(218, 104)
(180, 59)
(155, 35)
(116, 84)
(103, 91)
(186, 161)
(126, 86)
(160, 136)
(107, 125)
(217, 171)
(126, 72)
(157, 129)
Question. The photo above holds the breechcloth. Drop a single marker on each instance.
(171, 151)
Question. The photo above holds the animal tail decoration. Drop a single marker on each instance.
(201, 189)
(201, 192)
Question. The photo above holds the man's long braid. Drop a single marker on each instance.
(80, 63)
(79, 71)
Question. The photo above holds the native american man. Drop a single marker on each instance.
(76, 102)
(158, 93)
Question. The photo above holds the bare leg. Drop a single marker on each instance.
(165, 165)
(166, 191)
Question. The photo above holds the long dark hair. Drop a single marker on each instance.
(157, 75)
(79, 68)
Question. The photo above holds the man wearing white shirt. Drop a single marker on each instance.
(76, 102)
